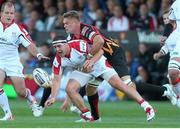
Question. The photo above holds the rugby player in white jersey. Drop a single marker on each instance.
(172, 45)
(11, 36)
(76, 52)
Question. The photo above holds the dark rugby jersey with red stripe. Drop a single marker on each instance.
(88, 32)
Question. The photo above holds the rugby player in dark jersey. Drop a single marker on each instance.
(112, 50)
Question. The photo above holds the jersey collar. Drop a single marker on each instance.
(5, 26)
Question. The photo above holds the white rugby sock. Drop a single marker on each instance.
(4, 102)
(29, 97)
(144, 104)
(177, 89)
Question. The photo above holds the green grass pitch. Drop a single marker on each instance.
(120, 114)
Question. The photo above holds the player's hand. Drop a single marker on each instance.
(42, 57)
(88, 66)
(156, 56)
(49, 102)
(64, 107)
(162, 40)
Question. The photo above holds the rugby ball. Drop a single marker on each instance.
(42, 78)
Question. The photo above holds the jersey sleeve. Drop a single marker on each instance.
(56, 68)
(89, 32)
(24, 37)
(172, 15)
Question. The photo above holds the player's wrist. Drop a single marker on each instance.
(89, 56)
(39, 55)
(53, 99)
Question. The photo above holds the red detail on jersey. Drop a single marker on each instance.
(56, 70)
(5, 26)
(23, 30)
(1, 91)
(76, 45)
(107, 64)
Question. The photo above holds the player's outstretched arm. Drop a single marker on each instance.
(163, 51)
(54, 90)
(33, 50)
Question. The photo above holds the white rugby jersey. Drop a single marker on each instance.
(175, 12)
(77, 57)
(10, 38)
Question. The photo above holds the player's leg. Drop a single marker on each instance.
(71, 89)
(93, 99)
(174, 76)
(78, 79)
(67, 102)
(19, 85)
(114, 80)
(40, 108)
(3, 99)
(45, 96)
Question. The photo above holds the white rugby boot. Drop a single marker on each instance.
(85, 117)
(7, 117)
(150, 113)
(38, 111)
(169, 93)
(83, 120)
(33, 105)
(74, 109)
(178, 102)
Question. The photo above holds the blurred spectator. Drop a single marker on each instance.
(61, 7)
(90, 11)
(50, 20)
(81, 4)
(18, 19)
(131, 14)
(101, 21)
(27, 10)
(151, 4)
(34, 17)
(145, 57)
(110, 5)
(59, 22)
(152, 11)
(32, 30)
(70, 5)
(47, 4)
(144, 22)
(31, 62)
(119, 22)
(165, 5)
(46, 50)
(137, 71)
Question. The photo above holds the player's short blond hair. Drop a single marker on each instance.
(9, 4)
(71, 14)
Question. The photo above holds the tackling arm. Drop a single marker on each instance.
(98, 43)
(54, 89)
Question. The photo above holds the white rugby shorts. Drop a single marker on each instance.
(84, 78)
(173, 43)
(12, 69)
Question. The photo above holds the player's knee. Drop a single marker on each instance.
(173, 75)
(117, 83)
(70, 90)
(21, 92)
